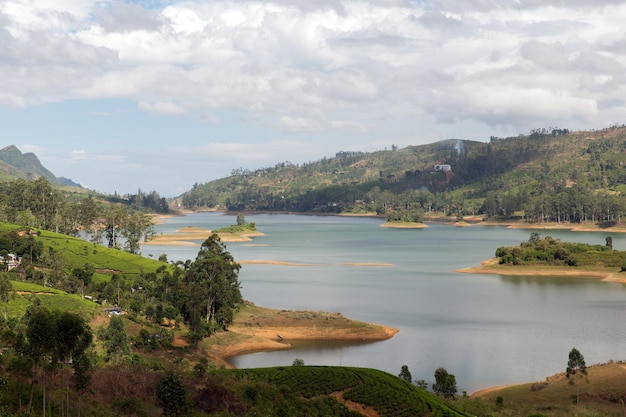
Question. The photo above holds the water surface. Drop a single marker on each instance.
(486, 329)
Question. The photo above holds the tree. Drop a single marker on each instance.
(576, 369)
(241, 220)
(137, 228)
(405, 374)
(115, 340)
(55, 337)
(214, 292)
(445, 383)
(172, 395)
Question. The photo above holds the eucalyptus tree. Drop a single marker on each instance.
(213, 287)
(136, 228)
(576, 369)
(53, 338)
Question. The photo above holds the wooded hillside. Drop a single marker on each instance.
(547, 175)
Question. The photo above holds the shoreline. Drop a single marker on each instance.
(189, 235)
(491, 266)
(261, 329)
(466, 221)
(404, 225)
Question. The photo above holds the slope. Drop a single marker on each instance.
(15, 164)
(454, 176)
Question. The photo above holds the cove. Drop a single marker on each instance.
(485, 329)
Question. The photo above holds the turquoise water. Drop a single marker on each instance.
(486, 329)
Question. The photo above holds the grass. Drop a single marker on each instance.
(77, 252)
(604, 395)
(25, 292)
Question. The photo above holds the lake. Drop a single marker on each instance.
(485, 329)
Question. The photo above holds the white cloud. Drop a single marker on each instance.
(334, 67)
(162, 107)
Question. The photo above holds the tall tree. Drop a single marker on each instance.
(137, 228)
(576, 369)
(55, 337)
(214, 292)
(115, 340)
(445, 383)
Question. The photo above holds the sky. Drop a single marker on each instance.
(158, 95)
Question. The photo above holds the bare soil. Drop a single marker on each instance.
(259, 329)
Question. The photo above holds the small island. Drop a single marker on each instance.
(190, 235)
(405, 219)
(553, 257)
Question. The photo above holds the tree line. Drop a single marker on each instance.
(39, 205)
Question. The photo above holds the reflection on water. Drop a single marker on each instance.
(486, 329)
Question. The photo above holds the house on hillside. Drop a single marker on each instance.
(11, 261)
(443, 167)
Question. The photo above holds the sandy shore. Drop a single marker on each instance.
(258, 329)
(407, 225)
(491, 266)
(190, 235)
(270, 262)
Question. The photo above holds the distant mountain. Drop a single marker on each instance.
(69, 183)
(15, 164)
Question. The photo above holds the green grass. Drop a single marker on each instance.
(24, 293)
(77, 252)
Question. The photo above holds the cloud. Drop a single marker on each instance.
(324, 67)
(162, 107)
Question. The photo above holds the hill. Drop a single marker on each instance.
(546, 175)
(14, 164)
(555, 396)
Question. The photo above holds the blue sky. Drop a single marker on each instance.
(159, 95)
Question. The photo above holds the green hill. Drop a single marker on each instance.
(14, 164)
(547, 175)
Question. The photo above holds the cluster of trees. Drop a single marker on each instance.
(41, 344)
(39, 205)
(555, 252)
(204, 293)
(444, 385)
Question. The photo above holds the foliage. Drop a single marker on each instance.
(405, 374)
(550, 251)
(172, 395)
(445, 383)
(115, 340)
(576, 368)
(213, 287)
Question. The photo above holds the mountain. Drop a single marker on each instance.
(522, 175)
(15, 164)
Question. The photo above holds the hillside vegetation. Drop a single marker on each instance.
(548, 175)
